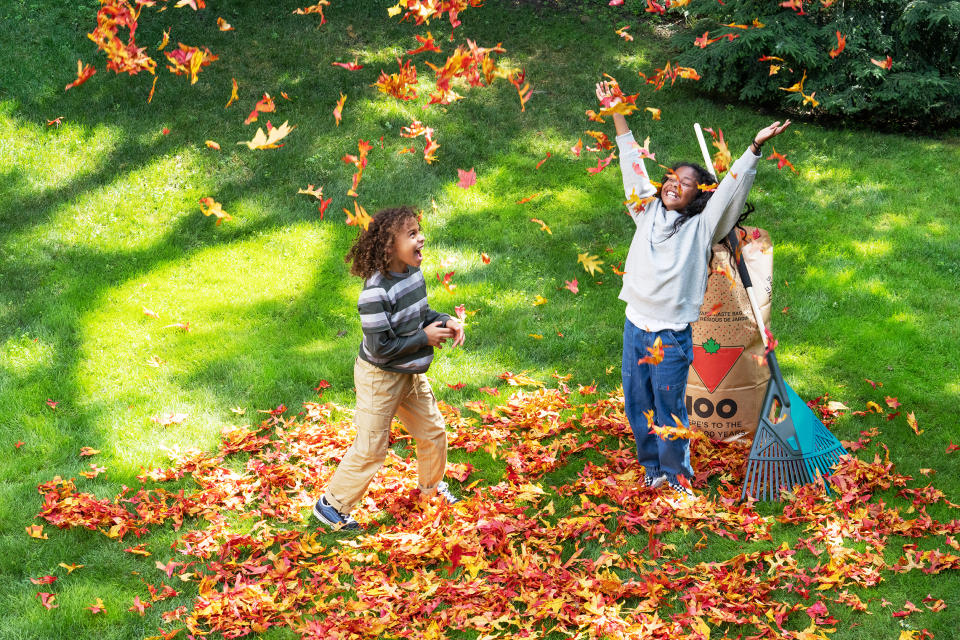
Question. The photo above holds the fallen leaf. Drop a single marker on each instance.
(572, 285)
(169, 419)
(96, 607)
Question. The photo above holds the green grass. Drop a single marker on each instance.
(99, 218)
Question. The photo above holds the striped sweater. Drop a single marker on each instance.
(393, 312)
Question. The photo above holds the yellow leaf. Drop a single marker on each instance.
(539, 300)
(590, 263)
(269, 140)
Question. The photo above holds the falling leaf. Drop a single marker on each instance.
(577, 148)
(360, 217)
(572, 285)
(841, 44)
(519, 81)
(952, 447)
(543, 225)
(148, 312)
(781, 160)
(655, 113)
(883, 64)
(233, 94)
(349, 66)
(484, 258)
(426, 44)
(622, 32)
(316, 192)
(164, 41)
(540, 164)
(601, 164)
(655, 356)
(210, 207)
(223, 25)
(467, 178)
(338, 110)
(36, 531)
(528, 198)
(912, 422)
(18, 444)
(84, 72)
(269, 140)
(590, 263)
(188, 61)
(457, 386)
(798, 86)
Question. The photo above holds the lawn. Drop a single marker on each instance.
(100, 220)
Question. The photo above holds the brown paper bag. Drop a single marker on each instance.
(726, 383)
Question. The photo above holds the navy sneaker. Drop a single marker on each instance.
(443, 490)
(325, 513)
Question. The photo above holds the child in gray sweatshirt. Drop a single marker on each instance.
(664, 283)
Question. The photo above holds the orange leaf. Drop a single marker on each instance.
(84, 72)
(36, 531)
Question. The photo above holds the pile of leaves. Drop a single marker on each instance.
(506, 560)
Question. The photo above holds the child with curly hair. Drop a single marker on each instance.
(400, 331)
(664, 283)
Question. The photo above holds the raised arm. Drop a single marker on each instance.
(636, 181)
(727, 202)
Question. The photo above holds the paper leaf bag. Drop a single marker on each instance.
(726, 384)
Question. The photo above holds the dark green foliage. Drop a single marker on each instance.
(921, 90)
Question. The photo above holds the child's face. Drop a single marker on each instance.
(407, 246)
(679, 189)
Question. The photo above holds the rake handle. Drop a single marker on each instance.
(734, 241)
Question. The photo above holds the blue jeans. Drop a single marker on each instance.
(662, 388)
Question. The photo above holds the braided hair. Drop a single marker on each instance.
(372, 250)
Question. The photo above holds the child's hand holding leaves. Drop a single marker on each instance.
(437, 335)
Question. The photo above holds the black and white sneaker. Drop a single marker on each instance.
(327, 514)
(443, 490)
(654, 480)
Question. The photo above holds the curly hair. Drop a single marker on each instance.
(699, 202)
(373, 248)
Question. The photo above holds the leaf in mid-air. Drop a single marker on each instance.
(590, 263)
(83, 74)
(467, 178)
(269, 140)
(211, 207)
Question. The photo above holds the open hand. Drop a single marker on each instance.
(605, 93)
(774, 129)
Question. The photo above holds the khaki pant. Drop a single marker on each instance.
(381, 395)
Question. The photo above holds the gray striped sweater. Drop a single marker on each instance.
(393, 312)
